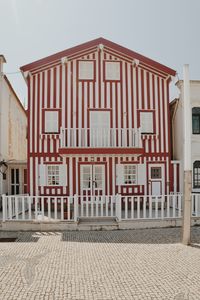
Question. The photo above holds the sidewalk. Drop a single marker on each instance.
(131, 264)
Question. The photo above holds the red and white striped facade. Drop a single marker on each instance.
(54, 84)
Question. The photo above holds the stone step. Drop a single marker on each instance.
(97, 220)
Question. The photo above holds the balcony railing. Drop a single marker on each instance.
(100, 138)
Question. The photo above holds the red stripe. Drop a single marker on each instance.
(142, 87)
(163, 117)
(83, 105)
(148, 91)
(48, 87)
(72, 85)
(66, 95)
(33, 115)
(126, 89)
(38, 114)
(159, 121)
(132, 97)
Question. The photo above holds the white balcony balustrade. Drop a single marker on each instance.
(100, 138)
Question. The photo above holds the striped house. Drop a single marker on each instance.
(98, 123)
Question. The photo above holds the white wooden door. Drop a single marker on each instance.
(100, 128)
(156, 179)
(92, 179)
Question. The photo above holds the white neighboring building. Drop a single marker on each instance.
(177, 132)
(13, 142)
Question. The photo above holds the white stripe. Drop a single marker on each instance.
(40, 112)
(113, 112)
(45, 89)
(74, 95)
(124, 95)
(79, 108)
(70, 176)
(156, 112)
(31, 176)
(119, 106)
(161, 116)
(108, 175)
(113, 174)
(139, 89)
(107, 86)
(129, 112)
(145, 90)
(51, 87)
(166, 115)
(36, 176)
(86, 105)
(68, 104)
(97, 82)
(135, 101)
(151, 90)
(77, 191)
(90, 104)
(102, 83)
(31, 113)
(57, 87)
(36, 114)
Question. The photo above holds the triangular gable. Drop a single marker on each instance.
(92, 45)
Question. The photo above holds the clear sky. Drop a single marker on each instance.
(167, 31)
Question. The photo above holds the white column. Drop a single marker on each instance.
(187, 120)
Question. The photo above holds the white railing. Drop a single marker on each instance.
(71, 208)
(100, 137)
(39, 208)
(96, 206)
(151, 207)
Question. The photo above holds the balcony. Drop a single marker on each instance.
(101, 140)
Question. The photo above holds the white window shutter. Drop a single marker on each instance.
(119, 174)
(141, 174)
(51, 121)
(42, 175)
(146, 122)
(63, 175)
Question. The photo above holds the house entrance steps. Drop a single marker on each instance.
(98, 223)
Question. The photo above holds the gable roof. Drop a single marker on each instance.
(94, 43)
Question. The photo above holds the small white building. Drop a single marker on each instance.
(13, 142)
(178, 134)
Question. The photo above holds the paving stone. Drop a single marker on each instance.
(131, 264)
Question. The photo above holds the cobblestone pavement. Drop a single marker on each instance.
(131, 264)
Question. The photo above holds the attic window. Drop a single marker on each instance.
(112, 70)
(86, 70)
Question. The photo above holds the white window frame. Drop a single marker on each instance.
(146, 122)
(112, 70)
(130, 170)
(53, 171)
(86, 70)
(51, 120)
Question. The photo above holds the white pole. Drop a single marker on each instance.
(187, 120)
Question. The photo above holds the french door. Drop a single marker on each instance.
(92, 179)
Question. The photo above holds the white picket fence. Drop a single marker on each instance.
(70, 208)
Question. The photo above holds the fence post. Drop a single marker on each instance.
(119, 207)
(75, 208)
(4, 207)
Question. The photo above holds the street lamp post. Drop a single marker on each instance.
(187, 120)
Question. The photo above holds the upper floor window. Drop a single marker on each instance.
(51, 121)
(146, 122)
(86, 70)
(196, 120)
(196, 174)
(112, 71)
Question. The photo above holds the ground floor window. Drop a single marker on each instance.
(196, 174)
(129, 174)
(53, 175)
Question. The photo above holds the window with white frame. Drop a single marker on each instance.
(130, 174)
(53, 176)
(51, 121)
(146, 122)
(112, 70)
(196, 174)
(86, 70)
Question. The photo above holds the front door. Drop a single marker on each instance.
(93, 179)
(156, 179)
